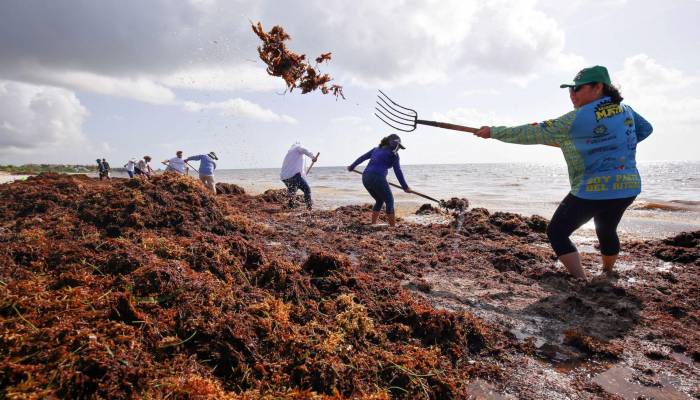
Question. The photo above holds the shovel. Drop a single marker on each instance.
(412, 191)
(406, 119)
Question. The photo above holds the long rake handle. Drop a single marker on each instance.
(445, 125)
(195, 169)
(412, 191)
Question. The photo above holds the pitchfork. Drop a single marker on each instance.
(406, 119)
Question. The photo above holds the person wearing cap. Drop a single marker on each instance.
(293, 173)
(381, 158)
(207, 165)
(176, 164)
(100, 169)
(130, 167)
(105, 169)
(599, 141)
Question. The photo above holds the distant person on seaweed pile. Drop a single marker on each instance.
(599, 141)
(293, 172)
(381, 158)
(130, 167)
(99, 168)
(207, 165)
(105, 169)
(143, 167)
(176, 164)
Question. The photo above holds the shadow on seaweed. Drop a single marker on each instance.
(587, 318)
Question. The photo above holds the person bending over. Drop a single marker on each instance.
(207, 165)
(176, 164)
(381, 158)
(293, 173)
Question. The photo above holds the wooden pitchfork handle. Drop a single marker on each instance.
(412, 191)
(447, 126)
(312, 163)
(195, 169)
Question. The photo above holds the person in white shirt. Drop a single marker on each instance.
(176, 164)
(143, 167)
(130, 167)
(292, 174)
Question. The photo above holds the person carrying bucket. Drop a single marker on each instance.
(207, 165)
(381, 158)
(599, 140)
(292, 173)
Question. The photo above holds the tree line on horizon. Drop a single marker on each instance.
(39, 168)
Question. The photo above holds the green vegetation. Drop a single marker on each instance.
(38, 168)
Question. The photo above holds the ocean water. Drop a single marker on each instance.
(669, 202)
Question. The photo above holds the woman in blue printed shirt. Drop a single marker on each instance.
(599, 141)
(374, 176)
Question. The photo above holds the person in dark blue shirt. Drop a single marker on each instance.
(374, 176)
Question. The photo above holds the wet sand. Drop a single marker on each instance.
(129, 288)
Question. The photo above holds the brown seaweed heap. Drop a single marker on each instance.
(157, 289)
(290, 66)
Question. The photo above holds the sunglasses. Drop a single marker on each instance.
(575, 89)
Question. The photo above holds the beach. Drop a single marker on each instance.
(6, 177)
(180, 293)
(522, 188)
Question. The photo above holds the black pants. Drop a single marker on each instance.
(293, 184)
(573, 212)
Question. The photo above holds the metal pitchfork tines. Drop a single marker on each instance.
(406, 119)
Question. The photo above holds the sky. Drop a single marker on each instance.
(82, 79)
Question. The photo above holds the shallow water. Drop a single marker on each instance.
(669, 203)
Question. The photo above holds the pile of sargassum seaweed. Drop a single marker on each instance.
(155, 289)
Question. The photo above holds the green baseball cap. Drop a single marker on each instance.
(589, 75)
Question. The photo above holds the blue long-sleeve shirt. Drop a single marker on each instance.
(206, 164)
(599, 142)
(380, 160)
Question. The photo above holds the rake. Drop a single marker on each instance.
(440, 202)
(406, 119)
(190, 165)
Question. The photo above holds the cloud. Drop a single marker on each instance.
(357, 124)
(392, 44)
(141, 50)
(38, 118)
(665, 96)
(137, 88)
(240, 108)
(472, 116)
(247, 76)
(660, 90)
(121, 47)
(480, 92)
(641, 71)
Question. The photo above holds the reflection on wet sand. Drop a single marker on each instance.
(631, 385)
